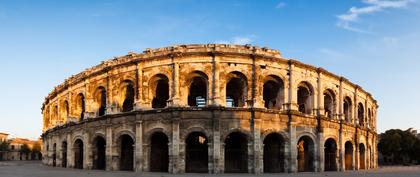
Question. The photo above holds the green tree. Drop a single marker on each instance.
(4, 147)
(399, 147)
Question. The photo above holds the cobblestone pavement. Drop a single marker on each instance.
(35, 169)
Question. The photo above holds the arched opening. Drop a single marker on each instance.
(197, 153)
(64, 154)
(348, 155)
(54, 155)
(361, 114)
(128, 91)
(47, 118)
(236, 153)
(273, 92)
(198, 90)
(78, 154)
(160, 88)
(159, 153)
(55, 114)
(101, 101)
(236, 89)
(126, 153)
(304, 98)
(347, 109)
(329, 103)
(99, 158)
(274, 153)
(306, 154)
(330, 155)
(362, 159)
(66, 109)
(81, 106)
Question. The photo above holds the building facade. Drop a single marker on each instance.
(211, 108)
(19, 148)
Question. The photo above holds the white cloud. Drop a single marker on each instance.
(240, 40)
(281, 5)
(371, 6)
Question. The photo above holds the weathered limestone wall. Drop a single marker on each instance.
(290, 118)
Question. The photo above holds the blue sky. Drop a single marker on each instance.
(374, 43)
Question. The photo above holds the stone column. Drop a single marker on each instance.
(87, 159)
(293, 149)
(216, 160)
(175, 99)
(292, 101)
(89, 101)
(320, 100)
(108, 151)
(139, 102)
(258, 153)
(138, 157)
(320, 158)
(216, 101)
(70, 153)
(355, 111)
(174, 155)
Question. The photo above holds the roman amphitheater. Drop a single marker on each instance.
(211, 108)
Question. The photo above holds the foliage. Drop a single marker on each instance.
(4, 146)
(36, 148)
(399, 147)
(25, 149)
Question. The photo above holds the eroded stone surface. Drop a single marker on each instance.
(246, 108)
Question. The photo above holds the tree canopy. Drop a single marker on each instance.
(399, 147)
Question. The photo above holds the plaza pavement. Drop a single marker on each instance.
(36, 169)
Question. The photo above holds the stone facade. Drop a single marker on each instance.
(211, 108)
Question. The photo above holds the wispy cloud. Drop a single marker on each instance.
(371, 6)
(281, 5)
(241, 40)
(331, 52)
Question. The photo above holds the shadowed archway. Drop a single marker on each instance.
(274, 155)
(197, 153)
(236, 153)
(159, 153)
(306, 154)
(99, 159)
(330, 155)
(78, 154)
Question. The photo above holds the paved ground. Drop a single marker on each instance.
(35, 169)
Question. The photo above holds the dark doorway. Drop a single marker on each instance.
(329, 103)
(78, 154)
(304, 96)
(126, 153)
(273, 92)
(236, 153)
(274, 153)
(361, 114)
(64, 154)
(198, 92)
(348, 157)
(101, 99)
(99, 158)
(306, 154)
(81, 105)
(128, 103)
(236, 90)
(159, 153)
(196, 153)
(54, 155)
(161, 93)
(362, 159)
(347, 109)
(330, 155)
